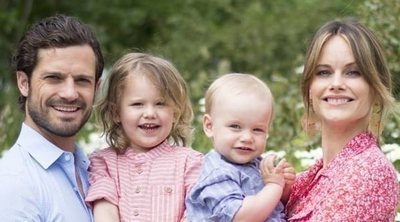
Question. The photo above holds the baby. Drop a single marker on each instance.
(239, 110)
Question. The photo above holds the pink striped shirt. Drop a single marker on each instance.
(149, 186)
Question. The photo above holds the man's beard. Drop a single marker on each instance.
(57, 127)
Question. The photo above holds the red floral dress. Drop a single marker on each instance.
(360, 184)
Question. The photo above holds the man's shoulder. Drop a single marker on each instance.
(15, 175)
(18, 187)
(20, 172)
(13, 161)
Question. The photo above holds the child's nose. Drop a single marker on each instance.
(246, 136)
(149, 112)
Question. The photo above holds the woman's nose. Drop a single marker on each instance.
(337, 82)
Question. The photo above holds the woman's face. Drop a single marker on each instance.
(340, 95)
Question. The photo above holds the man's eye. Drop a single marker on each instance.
(84, 80)
(52, 77)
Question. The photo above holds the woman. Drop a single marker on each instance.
(347, 95)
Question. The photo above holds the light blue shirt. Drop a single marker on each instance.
(221, 188)
(37, 181)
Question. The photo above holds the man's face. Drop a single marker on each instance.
(61, 91)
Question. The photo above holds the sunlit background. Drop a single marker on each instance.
(206, 38)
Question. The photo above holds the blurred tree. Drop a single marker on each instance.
(265, 38)
(14, 16)
(203, 38)
(383, 16)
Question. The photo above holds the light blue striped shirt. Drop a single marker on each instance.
(37, 181)
(221, 188)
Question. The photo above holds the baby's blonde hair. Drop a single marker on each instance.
(233, 83)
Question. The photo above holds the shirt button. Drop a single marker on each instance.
(135, 213)
(67, 157)
(140, 171)
(168, 190)
(137, 190)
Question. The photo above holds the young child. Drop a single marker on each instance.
(146, 116)
(239, 109)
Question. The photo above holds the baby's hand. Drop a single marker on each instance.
(271, 173)
(289, 174)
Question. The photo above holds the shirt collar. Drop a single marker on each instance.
(157, 151)
(43, 151)
(357, 145)
(81, 158)
(253, 163)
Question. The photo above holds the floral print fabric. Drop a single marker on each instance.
(360, 184)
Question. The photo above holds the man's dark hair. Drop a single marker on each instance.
(57, 31)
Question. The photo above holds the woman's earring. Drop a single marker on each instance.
(311, 122)
(375, 120)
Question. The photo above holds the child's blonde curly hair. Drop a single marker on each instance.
(166, 79)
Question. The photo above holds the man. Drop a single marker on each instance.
(43, 177)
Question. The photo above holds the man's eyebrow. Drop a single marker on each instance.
(85, 76)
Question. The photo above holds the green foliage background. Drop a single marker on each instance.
(206, 38)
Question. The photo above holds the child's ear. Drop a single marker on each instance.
(207, 125)
(23, 83)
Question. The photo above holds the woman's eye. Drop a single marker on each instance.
(323, 73)
(354, 73)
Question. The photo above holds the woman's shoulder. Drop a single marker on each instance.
(373, 158)
(373, 165)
